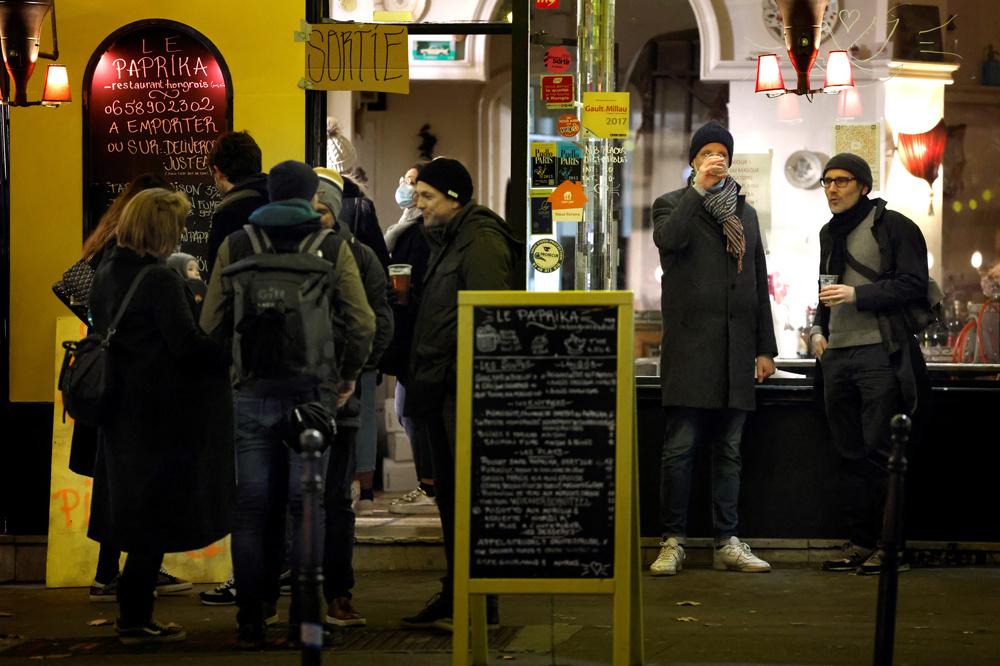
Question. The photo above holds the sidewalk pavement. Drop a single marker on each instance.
(947, 616)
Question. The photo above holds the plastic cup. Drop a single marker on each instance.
(399, 275)
(826, 280)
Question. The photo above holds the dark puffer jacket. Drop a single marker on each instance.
(475, 251)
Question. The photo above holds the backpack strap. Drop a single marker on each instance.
(128, 297)
(311, 243)
(866, 271)
(258, 239)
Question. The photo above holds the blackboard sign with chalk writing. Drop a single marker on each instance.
(157, 93)
(544, 409)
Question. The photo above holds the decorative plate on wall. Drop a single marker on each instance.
(772, 18)
(804, 168)
(417, 8)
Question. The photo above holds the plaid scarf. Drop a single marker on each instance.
(722, 206)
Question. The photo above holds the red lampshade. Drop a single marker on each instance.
(769, 77)
(921, 154)
(56, 88)
(838, 72)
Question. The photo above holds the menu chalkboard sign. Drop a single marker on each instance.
(544, 410)
(157, 93)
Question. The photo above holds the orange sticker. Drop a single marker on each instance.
(568, 125)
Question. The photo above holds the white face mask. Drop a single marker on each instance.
(405, 195)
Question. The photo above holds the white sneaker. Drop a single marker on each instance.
(413, 503)
(736, 556)
(670, 560)
(365, 507)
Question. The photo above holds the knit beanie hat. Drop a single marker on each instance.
(852, 164)
(291, 180)
(711, 132)
(340, 152)
(449, 177)
(331, 190)
(178, 261)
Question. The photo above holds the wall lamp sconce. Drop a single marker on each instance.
(803, 23)
(20, 30)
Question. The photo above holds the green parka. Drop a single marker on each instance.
(475, 251)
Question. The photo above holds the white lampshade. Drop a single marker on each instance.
(838, 72)
(769, 77)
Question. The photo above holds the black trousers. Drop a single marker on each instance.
(438, 433)
(136, 587)
(862, 395)
(338, 550)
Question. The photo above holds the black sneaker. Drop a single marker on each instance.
(104, 592)
(285, 581)
(851, 557)
(873, 565)
(153, 632)
(167, 584)
(223, 595)
(435, 615)
(250, 637)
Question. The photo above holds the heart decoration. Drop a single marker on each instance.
(849, 17)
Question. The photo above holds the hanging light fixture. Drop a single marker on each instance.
(921, 154)
(20, 30)
(803, 28)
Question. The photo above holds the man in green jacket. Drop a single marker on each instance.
(472, 249)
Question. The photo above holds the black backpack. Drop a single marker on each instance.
(282, 311)
(86, 378)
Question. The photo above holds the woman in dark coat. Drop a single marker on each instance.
(83, 448)
(163, 479)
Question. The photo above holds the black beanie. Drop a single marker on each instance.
(449, 177)
(291, 180)
(711, 132)
(854, 165)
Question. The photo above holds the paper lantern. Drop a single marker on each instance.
(921, 154)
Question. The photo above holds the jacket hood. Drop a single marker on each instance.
(483, 215)
(287, 213)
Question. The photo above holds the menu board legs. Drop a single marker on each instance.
(546, 460)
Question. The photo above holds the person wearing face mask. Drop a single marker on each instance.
(716, 331)
(407, 244)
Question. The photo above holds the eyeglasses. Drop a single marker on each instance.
(840, 181)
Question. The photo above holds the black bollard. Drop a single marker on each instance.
(892, 539)
(311, 566)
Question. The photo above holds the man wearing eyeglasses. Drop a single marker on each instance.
(875, 261)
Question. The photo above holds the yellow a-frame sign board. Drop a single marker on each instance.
(546, 480)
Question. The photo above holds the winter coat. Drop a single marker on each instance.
(902, 280)
(234, 211)
(716, 321)
(474, 251)
(286, 224)
(358, 213)
(409, 247)
(164, 479)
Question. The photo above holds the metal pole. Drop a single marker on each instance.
(597, 235)
(311, 567)
(892, 540)
(315, 154)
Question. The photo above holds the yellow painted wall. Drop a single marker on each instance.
(256, 41)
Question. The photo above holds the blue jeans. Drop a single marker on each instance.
(268, 479)
(423, 459)
(686, 428)
(367, 440)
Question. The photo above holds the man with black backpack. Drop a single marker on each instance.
(870, 364)
(287, 296)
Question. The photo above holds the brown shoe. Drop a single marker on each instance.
(342, 614)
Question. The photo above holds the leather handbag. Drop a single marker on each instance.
(86, 378)
(73, 289)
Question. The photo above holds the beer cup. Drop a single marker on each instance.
(399, 275)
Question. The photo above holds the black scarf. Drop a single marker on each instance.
(841, 226)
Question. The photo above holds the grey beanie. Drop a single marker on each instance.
(331, 196)
(852, 164)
